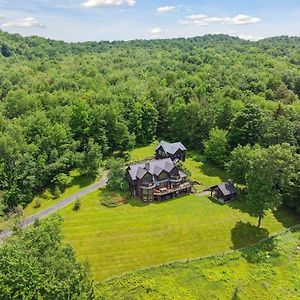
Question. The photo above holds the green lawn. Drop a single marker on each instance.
(203, 172)
(134, 236)
(141, 153)
(268, 271)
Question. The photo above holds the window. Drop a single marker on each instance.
(163, 176)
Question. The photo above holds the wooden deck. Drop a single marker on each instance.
(181, 188)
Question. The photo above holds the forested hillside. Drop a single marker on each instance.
(66, 106)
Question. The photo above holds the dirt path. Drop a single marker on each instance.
(46, 212)
(206, 193)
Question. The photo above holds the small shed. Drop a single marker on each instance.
(224, 192)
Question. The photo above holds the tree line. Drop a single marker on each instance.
(65, 106)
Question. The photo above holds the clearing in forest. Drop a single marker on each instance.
(137, 235)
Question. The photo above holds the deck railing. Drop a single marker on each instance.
(183, 186)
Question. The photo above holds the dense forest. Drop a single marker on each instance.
(65, 106)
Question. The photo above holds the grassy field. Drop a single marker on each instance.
(141, 153)
(267, 271)
(136, 235)
(203, 172)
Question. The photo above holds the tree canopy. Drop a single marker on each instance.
(36, 265)
(70, 105)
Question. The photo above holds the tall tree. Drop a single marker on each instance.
(247, 127)
(116, 176)
(216, 148)
(91, 159)
(238, 165)
(268, 174)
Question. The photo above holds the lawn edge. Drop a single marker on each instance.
(187, 260)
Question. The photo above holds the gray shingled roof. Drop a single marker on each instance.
(140, 172)
(227, 188)
(155, 168)
(171, 147)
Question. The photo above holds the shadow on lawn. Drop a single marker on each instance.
(213, 200)
(242, 205)
(135, 202)
(286, 216)
(246, 234)
(82, 181)
(211, 170)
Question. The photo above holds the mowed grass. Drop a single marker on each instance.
(203, 172)
(141, 153)
(267, 271)
(135, 236)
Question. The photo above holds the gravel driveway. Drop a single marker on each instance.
(46, 212)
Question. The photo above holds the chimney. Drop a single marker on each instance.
(231, 181)
(147, 166)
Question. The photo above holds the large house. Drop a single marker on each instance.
(175, 151)
(157, 180)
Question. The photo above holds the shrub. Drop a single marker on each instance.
(37, 203)
(183, 168)
(19, 210)
(56, 192)
(113, 201)
(62, 181)
(77, 205)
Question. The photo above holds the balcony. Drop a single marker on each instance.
(165, 191)
(147, 186)
(175, 179)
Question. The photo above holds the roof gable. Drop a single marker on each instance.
(155, 167)
(171, 148)
(140, 173)
(227, 188)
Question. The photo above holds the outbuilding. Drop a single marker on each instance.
(224, 192)
(175, 151)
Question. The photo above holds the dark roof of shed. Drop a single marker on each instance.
(227, 188)
(170, 147)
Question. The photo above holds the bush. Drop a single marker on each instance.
(19, 210)
(77, 205)
(37, 203)
(56, 192)
(113, 200)
(183, 168)
(62, 181)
